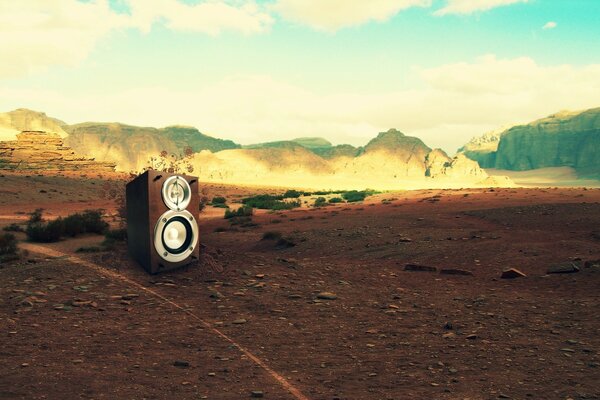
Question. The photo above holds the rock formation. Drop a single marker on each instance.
(22, 119)
(564, 139)
(43, 151)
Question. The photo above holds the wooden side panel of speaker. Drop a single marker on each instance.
(138, 220)
(144, 208)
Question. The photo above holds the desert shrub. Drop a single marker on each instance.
(334, 200)
(271, 235)
(244, 211)
(90, 221)
(292, 194)
(13, 228)
(355, 195)
(219, 202)
(270, 202)
(284, 243)
(320, 201)
(45, 232)
(8, 244)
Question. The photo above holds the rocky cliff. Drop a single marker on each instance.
(44, 151)
(564, 139)
(22, 119)
(132, 146)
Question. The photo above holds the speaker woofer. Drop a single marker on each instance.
(175, 235)
(176, 193)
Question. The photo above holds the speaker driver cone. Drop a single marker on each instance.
(175, 235)
(176, 193)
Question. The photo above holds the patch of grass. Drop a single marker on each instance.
(13, 228)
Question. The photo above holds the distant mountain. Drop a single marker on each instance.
(483, 148)
(131, 146)
(313, 142)
(22, 119)
(564, 139)
(390, 160)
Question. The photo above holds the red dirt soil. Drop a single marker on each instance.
(68, 332)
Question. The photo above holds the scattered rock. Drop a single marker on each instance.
(454, 271)
(512, 273)
(239, 321)
(181, 364)
(564, 268)
(472, 336)
(326, 296)
(419, 268)
(257, 394)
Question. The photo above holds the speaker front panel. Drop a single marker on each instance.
(175, 236)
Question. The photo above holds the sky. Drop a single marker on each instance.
(257, 71)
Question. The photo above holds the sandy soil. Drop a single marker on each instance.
(71, 331)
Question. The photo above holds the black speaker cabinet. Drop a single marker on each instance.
(162, 231)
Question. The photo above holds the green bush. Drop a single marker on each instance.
(355, 195)
(90, 221)
(292, 194)
(218, 200)
(320, 201)
(35, 216)
(334, 200)
(270, 202)
(13, 228)
(8, 244)
(244, 211)
(45, 232)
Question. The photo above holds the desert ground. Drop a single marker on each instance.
(333, 314)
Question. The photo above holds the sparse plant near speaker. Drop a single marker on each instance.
(39, 230)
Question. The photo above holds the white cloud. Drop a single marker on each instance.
(471, 6)
(36, 34)
(211, 17)
(457, 102)
(39, 33)
(549, 25)
(331, 15)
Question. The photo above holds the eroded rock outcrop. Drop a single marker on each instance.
(46, 151)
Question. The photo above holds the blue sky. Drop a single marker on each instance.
(443, 70)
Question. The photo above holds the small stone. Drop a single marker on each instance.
(419, 268)
(503, 396)
(326, 296)
(239, 321)
(257, 394)
(472, 336)
(294, 296)
(78, 361)
(512, 273)
(25, 365)
(564, 268)
(181, 364)
(259, 276)
(212, 374)
(448, 326)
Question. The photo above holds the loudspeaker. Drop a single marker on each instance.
(162, 231)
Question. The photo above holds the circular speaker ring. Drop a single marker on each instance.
(175, 235)
(176, 193)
